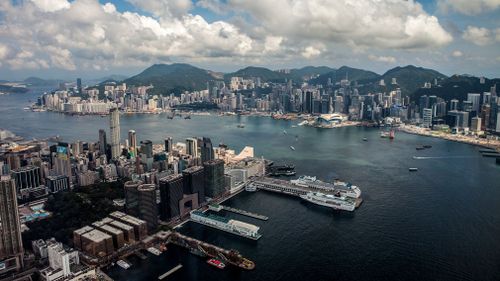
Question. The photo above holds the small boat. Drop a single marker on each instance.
(284, 132)
(241, 126)
(294, 126)
(412, 169)
(123, 264)
(365, 139)
(427, 146)
(217, 263)
(187, 117)
(154, 251)
(292, 148)
(419, 148)
(384, 134)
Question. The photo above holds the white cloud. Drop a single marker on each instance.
(387, 59)
(373, 23)
(468, 7)
(457, 53)
(477, 35)
(164, 8)
(51, 5)
(311, 52)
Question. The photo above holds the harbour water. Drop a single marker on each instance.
(440, 223)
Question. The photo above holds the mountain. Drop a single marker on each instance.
(353, 74)
(410, 78)
(456, 87)
(13, 89)
(265, 74)
(172, 78)
(308, 72)
(39, 82)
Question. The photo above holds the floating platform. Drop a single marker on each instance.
(245, 213)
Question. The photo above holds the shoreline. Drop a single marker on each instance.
(449, 137)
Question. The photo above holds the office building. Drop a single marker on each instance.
(207, 150)
(102, 141)
(214, 178)
(454, 104)
(28, 182)
(193, 182)
(132, 142)
(168, 144)
(475, 99)
(62, 161)
(61, 261)
(11, 245)
(140, 226)
(147, 148)
(114, 126)
(475, 124)
(132, 197)
(148, 209)
(57, 183)
(192, 147)
(427, 118)
(171, 193)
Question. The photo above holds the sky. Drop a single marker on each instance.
(94, 38)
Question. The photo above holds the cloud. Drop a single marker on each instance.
(311, 52)
(478, 35)
(382, 23)
(386, 59)
(164, 8)
(468, 7)
(457, 54)
(51, 5)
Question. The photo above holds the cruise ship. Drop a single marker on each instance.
(344, 188)
(332, 201)
(232, 226)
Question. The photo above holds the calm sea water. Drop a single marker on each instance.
(440, 223)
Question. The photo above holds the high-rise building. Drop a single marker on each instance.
(171, 193)
(132, 197)
(454, 104)
(207, 150)
(11, 245)
(62, 161)
(168, 144)
(192, 147)
(79, 85)
(114, 126)
(148, 209)
(475, 124)
(214, 178)
(132, 142)
(28, 182)
(193, 180)
(427, 117)
(102, 141)
(476, 101)
(147, 148)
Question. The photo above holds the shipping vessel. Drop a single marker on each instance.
(232, 226)
(217, 263)
(344, 188)
(336, 201)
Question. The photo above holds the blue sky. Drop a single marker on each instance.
(95, 38)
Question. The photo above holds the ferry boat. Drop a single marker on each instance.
(217, 263)
(229, 225)
(123, 264)
(336, 202)
(344, 188)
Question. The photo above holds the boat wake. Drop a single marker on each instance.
(441, 157)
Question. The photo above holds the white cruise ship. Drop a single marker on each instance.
(344, 188)
(332, 201)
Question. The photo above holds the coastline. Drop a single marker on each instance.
(491, 144)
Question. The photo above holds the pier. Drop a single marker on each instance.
(208, 250)
(217, 208)
(285, 187)
(166, 274)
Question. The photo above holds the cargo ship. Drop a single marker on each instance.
(228, 225)
(336, 201)
(344, 188)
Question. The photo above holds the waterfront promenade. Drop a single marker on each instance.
(473, 140)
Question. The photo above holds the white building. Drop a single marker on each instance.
(427, 118)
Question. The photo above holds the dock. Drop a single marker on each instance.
(166, 274)
(140, 255)
(238, 211)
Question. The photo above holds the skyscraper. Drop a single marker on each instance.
(148, 210)
(214, 178)
(192, 147)
(193, 182)
(79, 85)
(11, 245)
(62, 161)
(132, 197)
(168, 144)
(171, 194)
(114, 125)
(147, 148)
(475, 99)
(207, 150)
(132, 142)
(102, 141)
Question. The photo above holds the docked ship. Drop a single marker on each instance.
(336, 201)
(284, 170)
(232, 226)
(344, 188)
(217, 263)
(123, 264)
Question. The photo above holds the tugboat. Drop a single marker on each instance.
(217, 263)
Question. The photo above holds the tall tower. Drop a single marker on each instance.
(114, 126)
(168, 144)
(148, 210)
(11, 245)
(132, 142)
(192, 147)
(102, 141)
(207, 150)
